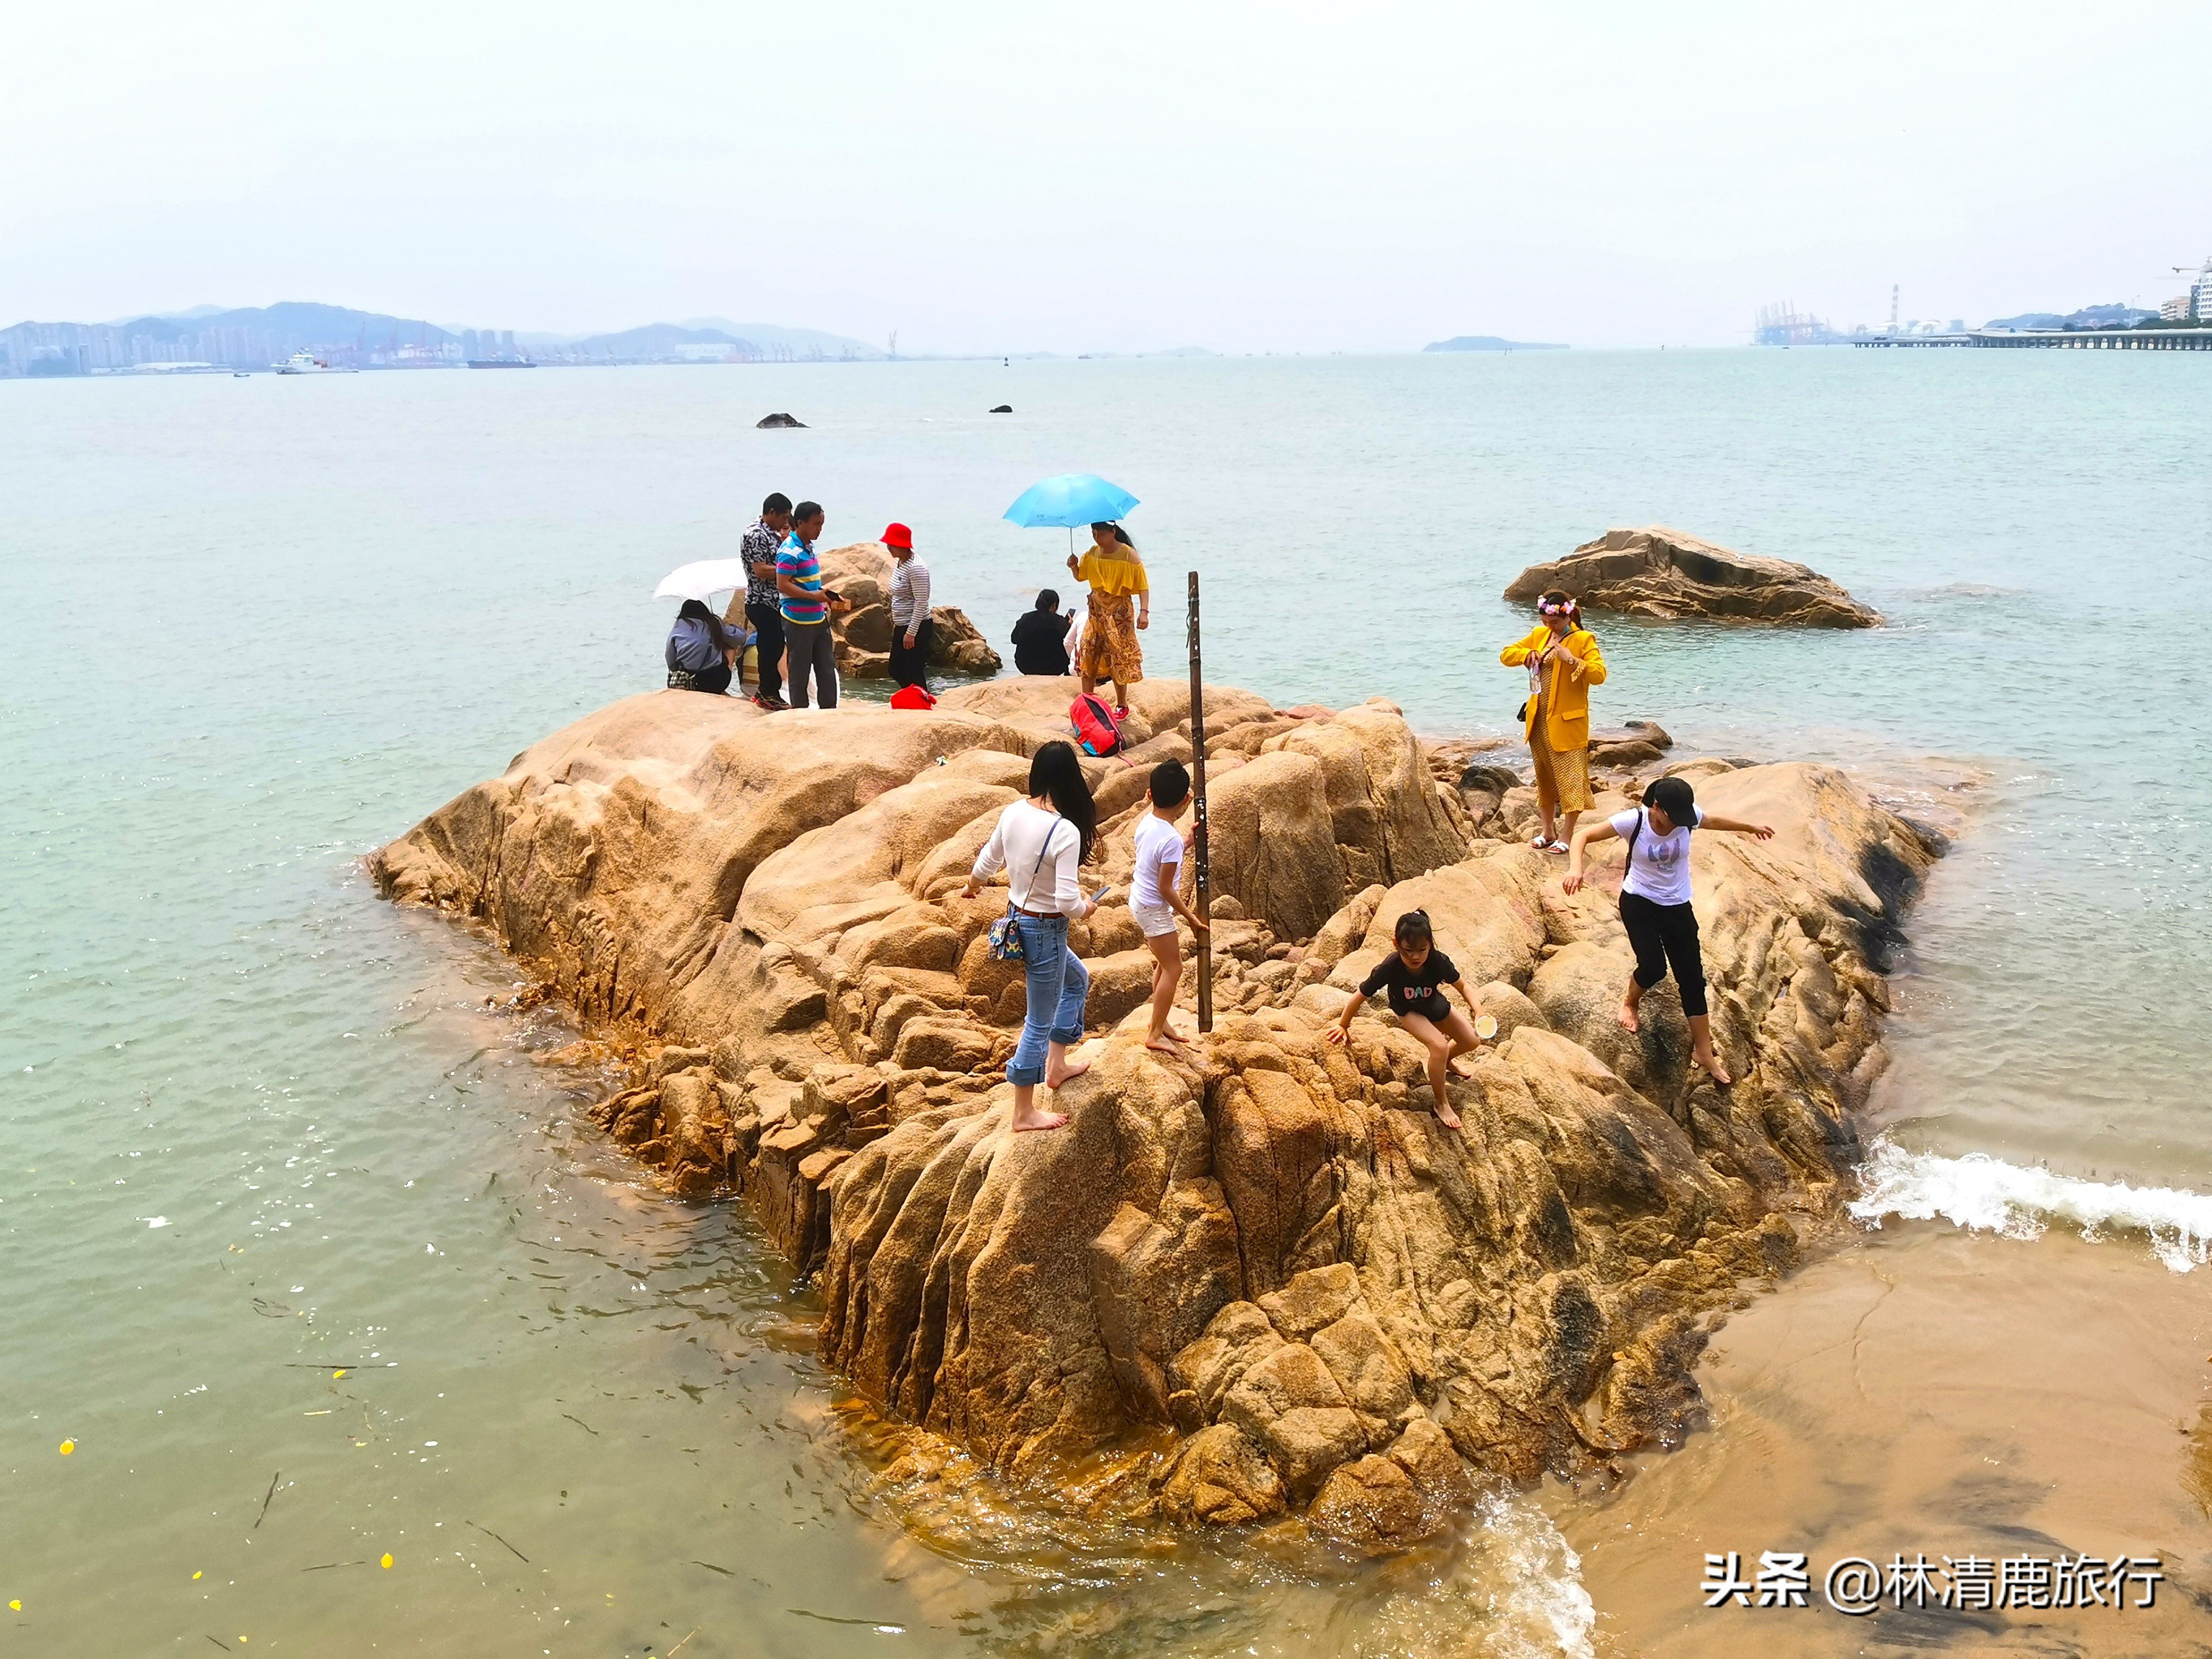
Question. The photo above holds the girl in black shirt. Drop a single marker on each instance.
(1415, 976)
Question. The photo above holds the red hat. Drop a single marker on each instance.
(898, 535)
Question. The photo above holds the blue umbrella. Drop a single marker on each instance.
(1071, 499)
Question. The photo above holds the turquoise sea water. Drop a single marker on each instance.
(255, 1125)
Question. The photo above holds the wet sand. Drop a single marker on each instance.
(1927, 1390)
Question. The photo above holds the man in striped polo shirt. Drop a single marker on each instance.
(807, 609)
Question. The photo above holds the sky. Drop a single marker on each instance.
(1007, 175)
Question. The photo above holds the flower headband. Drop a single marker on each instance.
(1545, 608)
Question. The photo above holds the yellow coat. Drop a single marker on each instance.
(1566, 696)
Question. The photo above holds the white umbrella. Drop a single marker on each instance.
(702, 579)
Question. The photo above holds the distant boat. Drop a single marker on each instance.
(240, 374)
(305, 362)
(501, 362)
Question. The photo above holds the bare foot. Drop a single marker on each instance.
(1068, 1075)
(1458, 1068)
(1714, 1069)
(1041, 1121)
(1446, 1116)
(1627, 1017)
(1165, 1043)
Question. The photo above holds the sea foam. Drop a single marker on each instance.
(1989, 1196)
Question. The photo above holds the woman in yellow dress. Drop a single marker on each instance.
(1108, 649)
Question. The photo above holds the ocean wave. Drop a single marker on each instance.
(1988, 1195)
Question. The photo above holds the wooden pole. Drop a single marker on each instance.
(1201, 879)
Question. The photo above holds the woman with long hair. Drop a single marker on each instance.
(703, 651)
(1564, 662)
(1041, 843)
(1108, 649)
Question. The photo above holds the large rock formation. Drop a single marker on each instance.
(1268, 1255)
(861, 573)
(1663, 573)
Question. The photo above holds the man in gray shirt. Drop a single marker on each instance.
(909, 596)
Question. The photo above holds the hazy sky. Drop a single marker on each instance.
(1028, 175)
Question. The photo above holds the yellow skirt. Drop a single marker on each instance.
(1563, 781)
(1108, 649)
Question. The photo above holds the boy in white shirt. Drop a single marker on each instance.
(1153, 899)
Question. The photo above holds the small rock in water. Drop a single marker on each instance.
(1004, 408)
(778, 421)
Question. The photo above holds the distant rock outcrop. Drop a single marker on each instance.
(1491, 342)
(773, 422)
(1663, 573)
(1003, 408)
(1261, 1272)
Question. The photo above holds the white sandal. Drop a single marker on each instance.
(1552, 846)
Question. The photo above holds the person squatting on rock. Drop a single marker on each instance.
(702, 652)
(910, 623)
(1041, 638)
(1655, 900)
(1108, 648)
(1041, 844)
(1564, 662)
(758, 605)
(1416, 974)
(806, 605)
(1153, 899)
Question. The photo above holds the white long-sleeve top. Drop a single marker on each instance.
(1049, 885)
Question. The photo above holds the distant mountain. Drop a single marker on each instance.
(1491, 342)
(800, 342)
(254, 336)
(2111, 316)
(259, 337)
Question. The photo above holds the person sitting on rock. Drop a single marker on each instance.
(1655, 900)
(1564, 662)
(1041, 638)
(1039, 843)
(1153, 900)
(702, 650)
(1416, 974)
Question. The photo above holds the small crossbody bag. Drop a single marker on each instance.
(1006, 932)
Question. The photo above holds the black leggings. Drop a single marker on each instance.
(1665, 934)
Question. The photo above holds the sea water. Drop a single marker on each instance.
(308, 1264)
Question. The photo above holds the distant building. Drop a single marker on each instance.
(2179, 309)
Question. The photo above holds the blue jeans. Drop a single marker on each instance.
(1058, 983)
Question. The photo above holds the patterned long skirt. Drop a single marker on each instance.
(1108, 649)
(1561, 775)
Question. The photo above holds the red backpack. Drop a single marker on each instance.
(911, 696)
(1096, 731)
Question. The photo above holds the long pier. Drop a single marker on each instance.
(2059, 340)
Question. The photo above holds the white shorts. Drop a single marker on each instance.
(1155, 918)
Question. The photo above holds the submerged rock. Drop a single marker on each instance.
(778, 421)
(1266, 1252)
(1663, 573)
